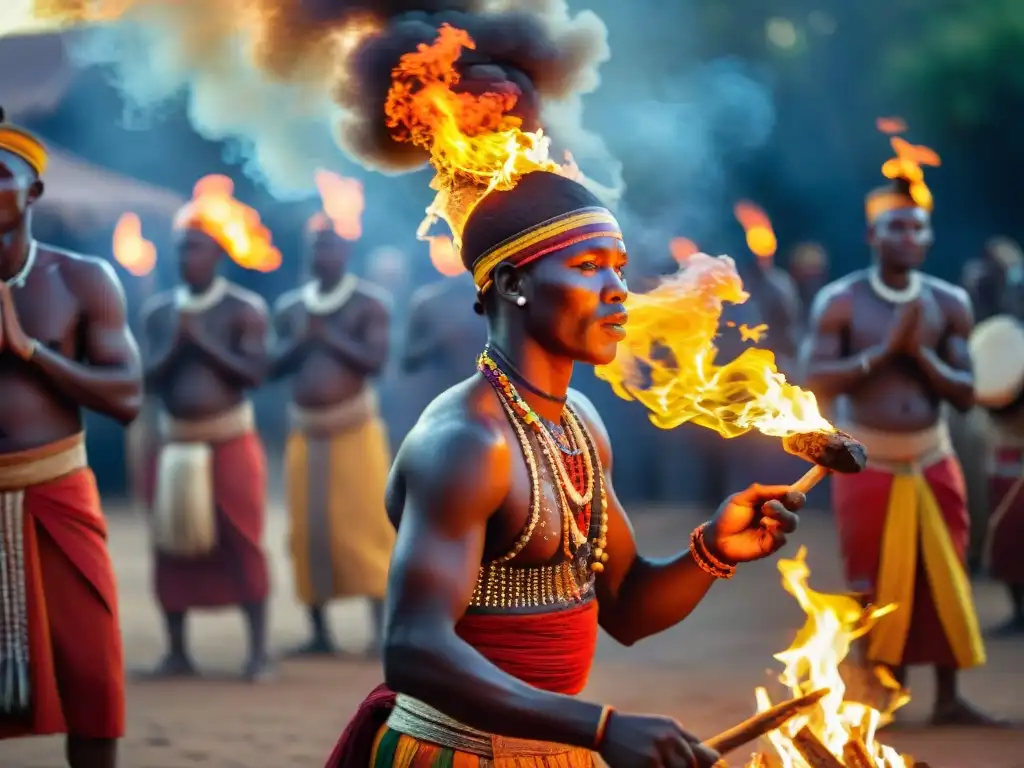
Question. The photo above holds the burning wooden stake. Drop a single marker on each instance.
(814, 753)
(762, 723)
(855, 755)
(829, 452)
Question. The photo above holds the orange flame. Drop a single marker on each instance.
(131, 250)
(475, 146)
(343, 203)
(758, 228)
(907, 164)
(891, 125)
(682, 249)
(444, 257)
(680, 317)
(234, 225)
(812, 662)
(754, 334)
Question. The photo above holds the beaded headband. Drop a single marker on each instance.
(20, 142)
(544, 238)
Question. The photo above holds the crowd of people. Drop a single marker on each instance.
(494, 529)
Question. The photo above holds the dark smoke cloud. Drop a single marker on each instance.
(275, 77)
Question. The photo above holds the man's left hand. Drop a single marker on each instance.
(15, 338)
(753, 524)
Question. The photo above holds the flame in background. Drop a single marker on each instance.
(757, 226)
(891, 125)
(475, 146)
(667, 361)
(907, 163)
(343, 203)
(444, 257)
(131, 250)
(753, 333)
(847, 729)
(234, 225)
(682, 249)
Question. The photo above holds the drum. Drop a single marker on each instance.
(997, 351)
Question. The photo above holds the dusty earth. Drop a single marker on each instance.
(702, 672)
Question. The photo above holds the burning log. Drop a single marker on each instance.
(763, 723)
(814, 753)
(828, 452)
(855, 755)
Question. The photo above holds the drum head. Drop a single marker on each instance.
(997, 351)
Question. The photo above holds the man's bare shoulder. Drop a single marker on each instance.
(249, 302)
(950, 296)
(374, 296)
(157, 304)
(836, 298)
(458, 443)
(288, 301)
(87, 277)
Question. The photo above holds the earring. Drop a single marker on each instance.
(521, 301)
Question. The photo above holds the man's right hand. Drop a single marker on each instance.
(646, 741)
(903, 328)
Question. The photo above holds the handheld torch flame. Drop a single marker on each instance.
(844, 728)
(343, 203)
(757, 226)
(235, 226)
(444, 257)
(131, 250)
(667, 361)
(475, 146)
(682, 249)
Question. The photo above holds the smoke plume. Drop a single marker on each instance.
(284, 80)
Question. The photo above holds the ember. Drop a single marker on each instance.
(837, 732)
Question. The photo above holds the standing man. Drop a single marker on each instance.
(893, 342)
(64, 346)
(206, 345)
(332, 339)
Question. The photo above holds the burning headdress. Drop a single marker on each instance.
(404, 82)
(906, 188)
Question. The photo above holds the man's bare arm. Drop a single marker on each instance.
(638, 596)
(949, 371)
(160, 345)
(824, 369)
(367, 353)
(289, 343)
(109, 380)
(454, 476)
(246, 360)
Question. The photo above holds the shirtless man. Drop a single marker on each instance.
(893, 342)
(509, 530)
(332, 339)
(206, 344)
(64, 346)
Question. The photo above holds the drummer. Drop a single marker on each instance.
(997, 348)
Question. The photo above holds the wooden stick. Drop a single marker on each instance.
(762, 723)
(855, 755)
(814, 753)
(811, 478)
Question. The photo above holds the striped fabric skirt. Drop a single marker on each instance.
(397, 750)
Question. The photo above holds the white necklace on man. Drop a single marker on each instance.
(200, 302)
(328, 303)
(18, 280)
(896, 295)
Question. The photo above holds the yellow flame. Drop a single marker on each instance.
(753, 334)
(131, 250)
(812, 662)
(343, 203)
(757, 227)
(667, 361)
(444, 257)
(475, 146)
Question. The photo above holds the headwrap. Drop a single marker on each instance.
(25, 145)
(891, 197)
(234, 226)
(544, 213)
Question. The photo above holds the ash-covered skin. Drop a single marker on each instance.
(837, 451)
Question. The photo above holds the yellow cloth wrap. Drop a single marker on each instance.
(548, 236)
(415, 753)
(913, 515)
(341, 539)
(20, 142)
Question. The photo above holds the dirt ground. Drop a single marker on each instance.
(702, 672)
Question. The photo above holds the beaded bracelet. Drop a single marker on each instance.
(602, 726)
(705, 560)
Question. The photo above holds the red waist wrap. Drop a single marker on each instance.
(553, 651)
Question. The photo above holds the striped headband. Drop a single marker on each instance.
(882, 202)
(544, 238)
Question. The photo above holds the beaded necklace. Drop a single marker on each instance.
(574, 472)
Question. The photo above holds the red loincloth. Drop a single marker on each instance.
(76, 662)
(236, 572)
(860, 502)
(519, 644)
(1006, 526)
